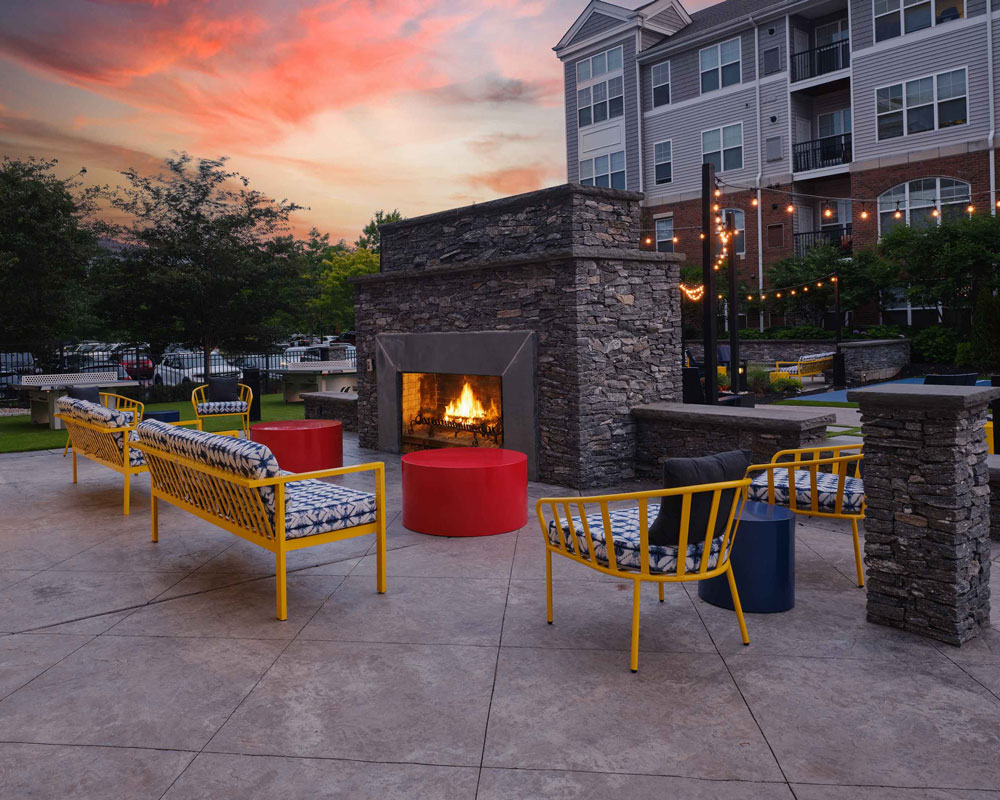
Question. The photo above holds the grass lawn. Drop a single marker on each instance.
(17, 434)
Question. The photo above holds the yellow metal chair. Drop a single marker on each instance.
(816, 482)
(203, 407)
(582, 538)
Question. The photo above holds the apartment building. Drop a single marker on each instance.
(800, 104)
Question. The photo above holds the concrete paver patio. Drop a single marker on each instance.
(132, 670)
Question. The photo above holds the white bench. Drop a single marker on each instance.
(44, 390)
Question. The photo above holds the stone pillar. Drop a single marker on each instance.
(927, 525)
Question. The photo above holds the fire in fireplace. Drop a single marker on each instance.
(450, 410)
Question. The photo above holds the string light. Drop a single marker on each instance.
(897, 214)
(828, 212)
(753, 202)
(970, 208)
(790, 208)
(864, 213)
(701, 235)
(793, 291)
(715, 206)
(749, 297)
(778, 295)
(693, 292)
(649, 240)
(675, 240)
(718, 192)
(935, 212)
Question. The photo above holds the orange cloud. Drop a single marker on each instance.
(514, 180)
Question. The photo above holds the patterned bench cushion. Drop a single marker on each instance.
(625, 533)
(826, 485)
(227, 407)
(99, 415)
(316, 507)
(136, 458)
(806, 362)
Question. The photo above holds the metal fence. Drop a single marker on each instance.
(157, 374)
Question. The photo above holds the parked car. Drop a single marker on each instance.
(296, 355)
(348, 336)
(137, 362)
(12, 367)
(189, 368)
(104, 365)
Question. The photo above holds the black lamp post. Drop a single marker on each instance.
(708, 281)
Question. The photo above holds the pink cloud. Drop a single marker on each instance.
(513, 180)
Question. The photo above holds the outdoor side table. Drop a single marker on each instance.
(465, 491)
(162, 416)
(302, 445)
(763, 559)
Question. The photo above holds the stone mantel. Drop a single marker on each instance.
(761, 419)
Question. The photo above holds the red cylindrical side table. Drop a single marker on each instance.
(465, 491)
(302, 445)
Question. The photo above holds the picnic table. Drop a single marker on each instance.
(44, 390)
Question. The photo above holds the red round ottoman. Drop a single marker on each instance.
(465, 491)
(302, 445)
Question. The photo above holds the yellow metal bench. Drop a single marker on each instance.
(572, 532)
(236, 484)
(805, 367)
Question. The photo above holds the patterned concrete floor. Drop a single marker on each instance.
(131, 670)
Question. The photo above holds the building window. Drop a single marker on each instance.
(896, 17)
(923, 202)
(923, 104)
(662, 162)
(598, 65)
(720, 65)
(832, 32)
(602, 101)
(665, 235)
(607, 170)
(834, 123)
(739, 245)
(772, 60)
(661, 84)
(723, 147)
(776, 235)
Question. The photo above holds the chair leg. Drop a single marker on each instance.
(660, 584)
(154, 507)
(74, 466)
(380, 556)
(127, 493)
(857, 554)
(736, 604)
(281, 580)
(634, 662)
(69, 440)
(548, 585)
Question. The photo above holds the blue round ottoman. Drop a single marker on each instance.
(763, 559)
(163, 416)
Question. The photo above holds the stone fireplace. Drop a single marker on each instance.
(532, 323)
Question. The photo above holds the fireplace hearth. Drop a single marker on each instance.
(450, 410)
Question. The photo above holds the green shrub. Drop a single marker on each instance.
(985, 344)
(935, 345)
(785, 384)
(758, 381)
(882, 332)
(965, 355)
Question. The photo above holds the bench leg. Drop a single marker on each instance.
(127, 492)
(634, 662)
(736, 603)
(548, 585)
(154, 505)
(660, 584)
(74, 466)
(857, 554)
(280, 579)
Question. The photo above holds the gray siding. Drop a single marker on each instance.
(650, 39)
(831, 101)
(973, 8)
(684, 126)
(598, 23)
(777, 39)
(685, 72)
(572, 132)
(964, 47)
(774, 102)
(668, 18)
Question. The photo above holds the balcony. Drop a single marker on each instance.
(830, 151)
(821, 60)
(836, 235)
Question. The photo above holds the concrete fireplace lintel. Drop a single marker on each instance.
(509, 354)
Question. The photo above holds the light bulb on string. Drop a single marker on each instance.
(970, 208)
(819, 284)
(935, 212)
(675, 240)
(720, 297)
(805, 288)
(753, 202)
(897, 214)
(701, 235)
(649, 240)
(763, 297)
(715, 206)
(828, 212)
(864, 213)
(778, 295)
(790, 208)
(833, 279)
(793, 291)
(718, 192)
(749, 298)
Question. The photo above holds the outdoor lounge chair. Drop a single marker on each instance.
(808, 366)
(578, 528)
(205, 406)
(816, 482)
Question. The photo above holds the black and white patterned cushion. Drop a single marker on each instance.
(316, 507)
(625, 533)
(97, 414)
(229, 407)
(826, 486)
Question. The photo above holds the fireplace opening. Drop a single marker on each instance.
(450, 410)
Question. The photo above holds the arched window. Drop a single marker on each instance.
(916, 202)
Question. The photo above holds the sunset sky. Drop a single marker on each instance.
(343, 107)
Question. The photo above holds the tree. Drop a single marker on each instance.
(948, 263)
(205, 259)
(370, 238)
(335, 299)
(46, 244)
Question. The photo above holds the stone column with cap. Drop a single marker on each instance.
(927, 524)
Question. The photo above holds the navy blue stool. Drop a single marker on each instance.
(763, 559)
(163, 416)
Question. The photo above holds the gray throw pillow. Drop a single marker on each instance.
(92, 394)
(223, 390)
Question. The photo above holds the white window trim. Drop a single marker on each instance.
(654, 86)
(934, 77)
(722, 147)
(904, 206)
(902, 29)
(670, 162)
(611, 73)
(606, 80)
(673, 232)
(593, 177)
(718, 48)
(845, 111)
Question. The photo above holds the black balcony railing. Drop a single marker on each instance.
(821, 60)
(836, 235)
(819, 153)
